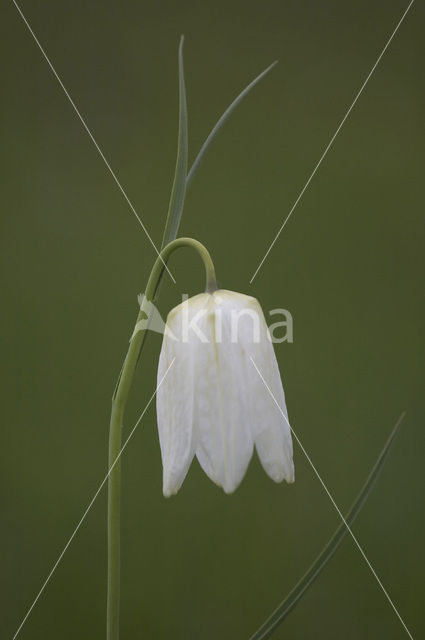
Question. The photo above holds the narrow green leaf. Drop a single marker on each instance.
(178, 191)
(194, 168)
(266, 630)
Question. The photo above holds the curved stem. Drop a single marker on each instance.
(158, 267)
(119, 402)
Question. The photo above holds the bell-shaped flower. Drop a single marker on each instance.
(220, 393)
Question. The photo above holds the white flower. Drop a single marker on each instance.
(213, 402)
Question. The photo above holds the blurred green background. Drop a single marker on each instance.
(349, 266)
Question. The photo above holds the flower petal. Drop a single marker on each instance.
(272, 433)
(174, 405)
(224, 439)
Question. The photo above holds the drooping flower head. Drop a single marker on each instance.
(213, 402)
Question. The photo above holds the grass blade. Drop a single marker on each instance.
(270, 625)
(195, 166)
(178, 191)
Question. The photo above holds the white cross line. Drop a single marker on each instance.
(91, 503)
(91, 136)
(333, 501)
(331, 142)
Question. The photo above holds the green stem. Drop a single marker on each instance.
(119, 402)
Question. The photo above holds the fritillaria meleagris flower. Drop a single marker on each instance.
(212, 402)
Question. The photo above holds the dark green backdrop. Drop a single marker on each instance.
(348, 265)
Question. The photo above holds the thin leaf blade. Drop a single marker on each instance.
(283, 610)
(178, 192)
(221, 121)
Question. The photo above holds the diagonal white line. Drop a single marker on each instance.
(102, 484)
(333, 501)
(331, 142)
(90, 135)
